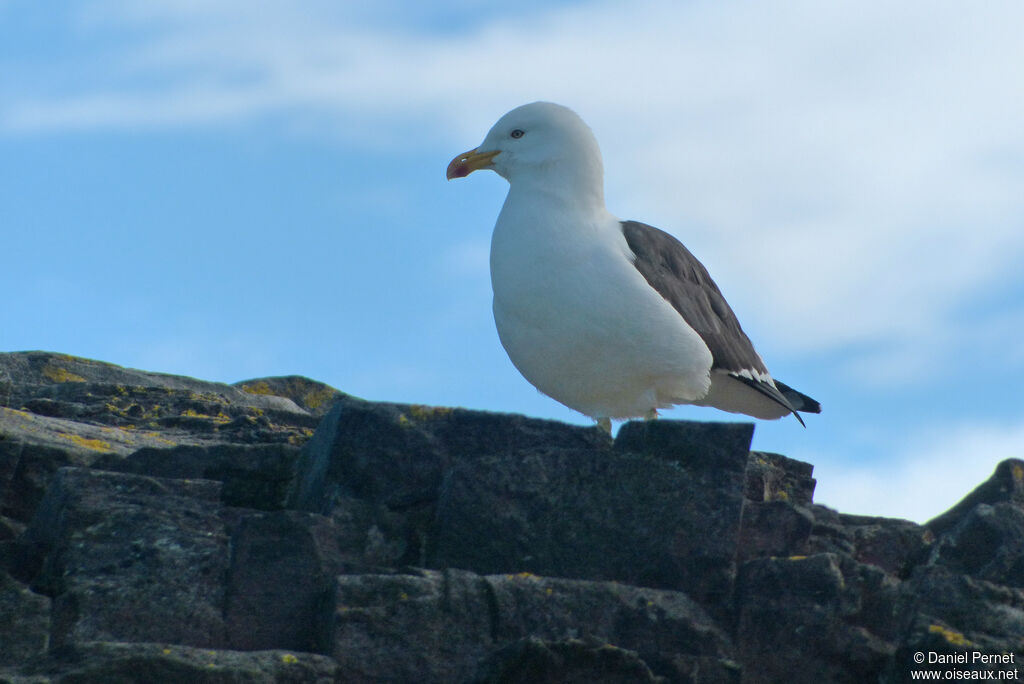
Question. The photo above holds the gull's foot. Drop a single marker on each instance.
(651, 415)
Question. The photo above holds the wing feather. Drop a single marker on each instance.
(671, 269)
(677, 275)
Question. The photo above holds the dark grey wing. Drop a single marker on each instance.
(682, 280)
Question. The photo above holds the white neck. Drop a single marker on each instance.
(579, 186)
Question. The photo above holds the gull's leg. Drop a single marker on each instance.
(605, 424)
(651, 415)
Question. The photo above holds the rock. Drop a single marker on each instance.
(58, 410)
(34, 447)
(647, 623)
(425, 627)
(773, 528)
(589, 515)
(25, 628)
(117, 408)
(105, 662)
(439, 626)
(159, 528)
(709, 445)
(281, 582)
(253, 475)
(397, 454)
(25, 472)
(894, 545)
(986, 543)
(71, 441)
(132, 558)
(1005, 485)
(375, 537)
(818, 618)
(533, 661)
(69, 381)
(897, 546)
(9, 529)
(949, 614)
(313, 396)
(774, 477)
(383, 465)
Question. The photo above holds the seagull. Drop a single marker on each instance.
(614, 319)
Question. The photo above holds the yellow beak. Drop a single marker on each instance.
(468, 162)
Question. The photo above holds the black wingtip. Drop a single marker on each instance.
(783, 395)
(799, 400)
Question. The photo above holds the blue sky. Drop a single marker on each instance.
(238, 189)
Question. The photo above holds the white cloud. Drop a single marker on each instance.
(920, 481)
(842, 169)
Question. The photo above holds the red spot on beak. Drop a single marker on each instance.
(468, 162)
(458, 168)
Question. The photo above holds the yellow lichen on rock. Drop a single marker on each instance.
(163, 440)
(259, 387)
(85, 442)
(422, 412)
(316, 398)
(523, 575)
(208, 397)
(58, 374)
(221, 417)
(17, 412)
(952, 636)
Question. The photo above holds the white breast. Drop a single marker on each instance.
(579, 321)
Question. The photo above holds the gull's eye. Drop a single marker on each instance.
(518, 133)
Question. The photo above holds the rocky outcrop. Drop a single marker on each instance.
(158, 528)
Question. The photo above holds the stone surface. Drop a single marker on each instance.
(110, 662)
(253, 475)
(897, 546)
(774, 477)
(397, 454)
(821, 618)
(533, 661)
(1005, 486)
(132, 558)
(58, 410)
(986, 543)
(25, 626)
(313, 396)
(623, 517)
(440, 626)
(159, 528)
(954, 615)
(281, 581)
(773, 528)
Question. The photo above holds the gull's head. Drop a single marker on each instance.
(540, 140)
